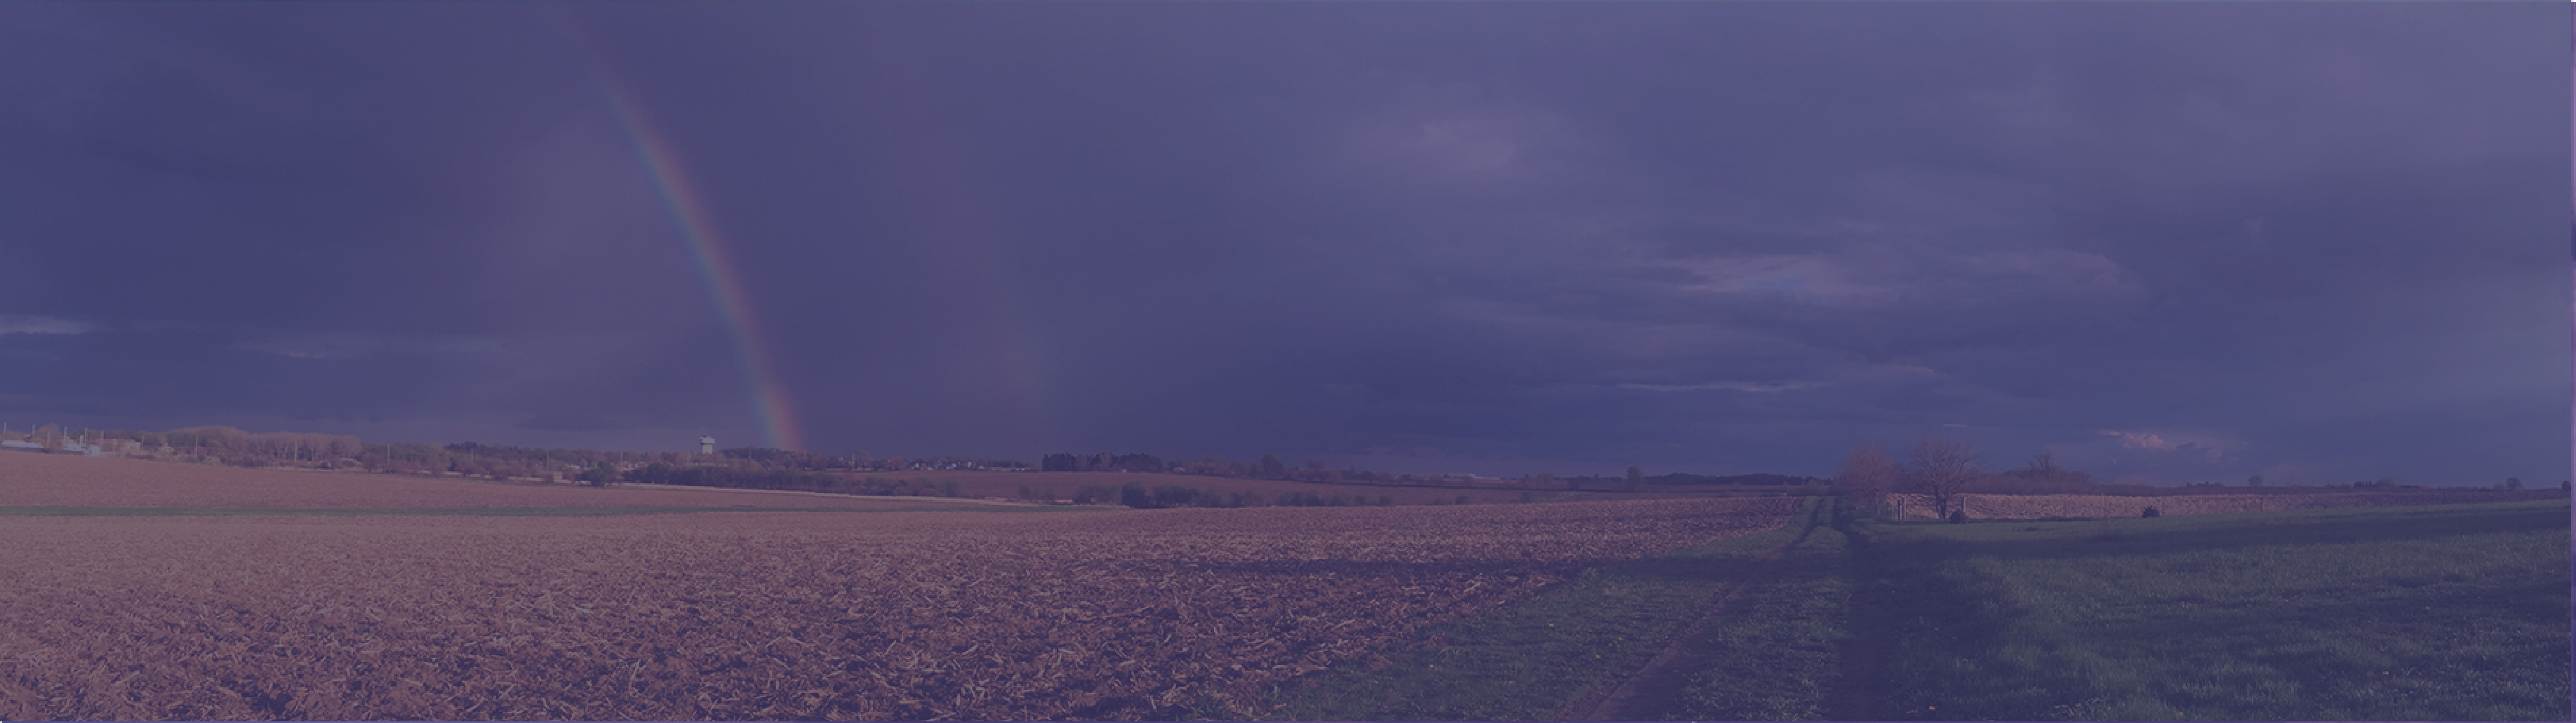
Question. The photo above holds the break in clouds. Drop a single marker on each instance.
(2170, 243)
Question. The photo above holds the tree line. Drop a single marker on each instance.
(234, 447)
(214, 444)
(766, 468)
(787, 479)
(1942, 469)
(1270, 466)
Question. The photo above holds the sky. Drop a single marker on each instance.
(2167, 243)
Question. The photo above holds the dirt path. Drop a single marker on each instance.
(1857, 697)
(1860, 693)
(1649, 691)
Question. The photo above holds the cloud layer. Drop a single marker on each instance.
(1490, 238)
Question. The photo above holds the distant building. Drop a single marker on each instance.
(706, 445)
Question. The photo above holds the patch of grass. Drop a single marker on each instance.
(74, 511)
(1775, 653)
(1531, 658)
(2447, 612)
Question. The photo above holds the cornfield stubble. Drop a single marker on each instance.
(809, 615)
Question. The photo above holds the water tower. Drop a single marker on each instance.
(706, 445)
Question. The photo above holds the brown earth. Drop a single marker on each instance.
(1005, 485)
(1102, 614)
(2024, 507)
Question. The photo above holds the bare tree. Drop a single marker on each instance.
(1942, 468)
(1867, 476)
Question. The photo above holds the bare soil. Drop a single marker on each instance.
(739, 615)
(1064, 484)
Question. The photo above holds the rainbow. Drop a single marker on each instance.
(958, 220)
(715, 267)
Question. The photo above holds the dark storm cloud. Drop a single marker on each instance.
(2181, 242)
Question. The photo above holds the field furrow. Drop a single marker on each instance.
(1147, 614)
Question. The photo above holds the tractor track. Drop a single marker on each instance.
(1650, 690)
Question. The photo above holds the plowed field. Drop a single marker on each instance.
(767, 615)
(2026, 507)
(1006, 485)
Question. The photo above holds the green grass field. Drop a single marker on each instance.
(1775, 652)
(2451, 612)
(1532, 659)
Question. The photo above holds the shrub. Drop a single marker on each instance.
(2151, 512)
(1462, 499)
(1958, 517)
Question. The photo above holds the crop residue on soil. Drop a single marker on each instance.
(764, 615)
